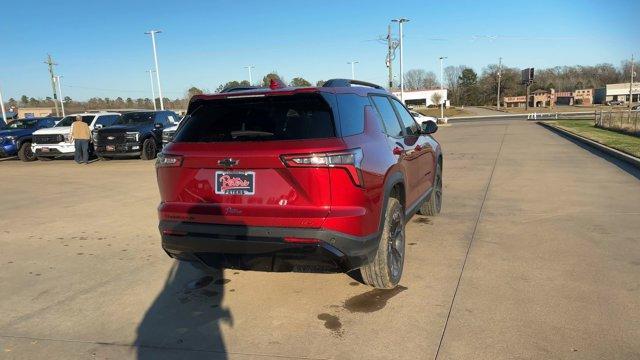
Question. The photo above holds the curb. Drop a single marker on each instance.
(629, 159)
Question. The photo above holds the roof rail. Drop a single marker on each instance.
(240, 88)
(348, 83)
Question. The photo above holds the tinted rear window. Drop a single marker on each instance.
(301, 116)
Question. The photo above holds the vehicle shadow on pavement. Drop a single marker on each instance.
(184, 320)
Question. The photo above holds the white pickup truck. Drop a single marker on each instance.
(55, 142)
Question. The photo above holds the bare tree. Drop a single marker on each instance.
(419, 79)
(436, 98)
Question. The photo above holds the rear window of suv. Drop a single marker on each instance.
(268, 118)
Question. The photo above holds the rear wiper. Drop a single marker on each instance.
(250, 133)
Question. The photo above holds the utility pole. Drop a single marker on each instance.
(60, 92)
(250, 75)
(499, 78)
(353, 70)
(631, 86)
(51, 64)
(4, 114)
(153, 91)
(400, 21)
(442, 87)
(155, 59)
(390, 51)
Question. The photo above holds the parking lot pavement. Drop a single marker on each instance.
(536, 255)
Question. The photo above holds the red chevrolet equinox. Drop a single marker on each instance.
(314, 179)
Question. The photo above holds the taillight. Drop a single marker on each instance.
(349, 160)
(165, 160)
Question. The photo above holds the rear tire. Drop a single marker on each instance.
(385, 271)
(434, 205)
(25, 153)
(148, 150)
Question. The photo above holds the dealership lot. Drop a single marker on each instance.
(536, 255)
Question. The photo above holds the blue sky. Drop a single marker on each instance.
(102, 50)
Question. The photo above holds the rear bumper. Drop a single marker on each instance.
(264, 248)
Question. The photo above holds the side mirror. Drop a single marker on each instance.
(158, 126)
(98, 126)
(429, 127)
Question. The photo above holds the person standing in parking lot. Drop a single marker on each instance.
(80, 135)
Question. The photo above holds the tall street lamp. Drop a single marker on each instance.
(4, 115)
(353, 69)
(60, 94)
(155, 59)
(400, 21)
(249, 67)
(153, 91)
(442, 87)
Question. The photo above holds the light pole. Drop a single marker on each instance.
(442, 87)
(499, 78)
(249, 67)
(153, 91)
(4, 114)
(155, 59)
(631, 86)
(400, 21)
(353, 69)
(60, 94)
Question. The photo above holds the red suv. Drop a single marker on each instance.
(309, 179)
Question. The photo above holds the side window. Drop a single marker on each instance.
(410, 125)
(106, 120)
(351, 108)
(388, 115)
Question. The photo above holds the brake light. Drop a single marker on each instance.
(165, 160)
(350, 160)
(297, 240)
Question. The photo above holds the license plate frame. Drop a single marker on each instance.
(236, 182)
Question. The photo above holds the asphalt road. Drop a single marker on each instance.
(535, 256)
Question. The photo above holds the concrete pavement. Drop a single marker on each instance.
(536, 255)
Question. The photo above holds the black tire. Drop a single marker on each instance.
(44, 158)
(385, 271)
(25, 153)
(434, 205)
(149, 150)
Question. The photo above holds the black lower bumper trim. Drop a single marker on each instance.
(264, 248)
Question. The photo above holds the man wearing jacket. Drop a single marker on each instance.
(80, 134)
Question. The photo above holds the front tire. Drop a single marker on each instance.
(385, 271)
(434, 205)
(148, 150)
(25, 153)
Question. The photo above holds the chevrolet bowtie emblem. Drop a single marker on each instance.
(229, 162)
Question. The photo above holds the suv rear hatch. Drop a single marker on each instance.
(252, 160)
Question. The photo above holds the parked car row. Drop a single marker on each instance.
(130, 134)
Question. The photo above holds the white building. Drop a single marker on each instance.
(617, 92)
(423, 97)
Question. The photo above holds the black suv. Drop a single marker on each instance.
(136, 133)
